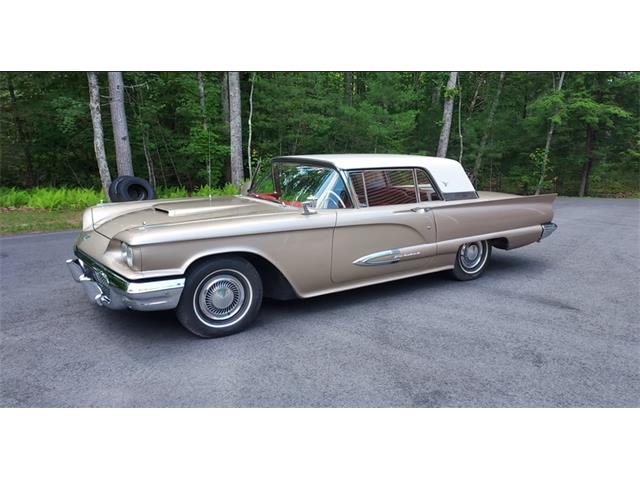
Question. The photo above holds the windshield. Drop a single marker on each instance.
(293, 183)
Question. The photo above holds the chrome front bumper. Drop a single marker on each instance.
(547, 229)
(112, 291)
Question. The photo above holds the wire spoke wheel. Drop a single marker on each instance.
(222, 296)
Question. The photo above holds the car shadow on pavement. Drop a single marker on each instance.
(151, 326)
(503, 262)
(299, 310)
(164, 326)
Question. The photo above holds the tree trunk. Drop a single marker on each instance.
(119, 122)
(98, 134)
(22, 136)
(235, 129)
(348, 88)
(443, 143)
(547, 145)
(474, 99)
(249, 125)
(361, 86)
(203, 100)
(487, 131)
(586, 169)
(147, 155)
(224, 106)
(460, 121)
(224, 98)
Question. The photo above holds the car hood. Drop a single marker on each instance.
(182, 213)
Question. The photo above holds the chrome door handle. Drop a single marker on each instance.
(420, 209)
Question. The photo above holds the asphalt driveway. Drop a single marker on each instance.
(552, 324)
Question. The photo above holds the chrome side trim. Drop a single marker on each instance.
(547, 229)
(379, 258)
(395, 255)
(150, 287)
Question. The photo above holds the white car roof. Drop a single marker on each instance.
(448, 174)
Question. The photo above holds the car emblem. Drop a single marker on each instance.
(86, 236)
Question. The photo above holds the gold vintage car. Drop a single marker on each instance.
(312, 225)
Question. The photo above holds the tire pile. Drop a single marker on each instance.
(130, 189)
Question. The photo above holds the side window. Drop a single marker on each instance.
(357, 183)
(384, 187)
(425, 187)
(338, 196)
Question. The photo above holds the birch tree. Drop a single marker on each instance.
(249, 125)
(547, 146)
(98, 134)
(235, 129)
(443, 143)
(119, 122)
(487, 130)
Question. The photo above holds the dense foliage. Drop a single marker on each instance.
(46, 136)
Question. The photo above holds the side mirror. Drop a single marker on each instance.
(309, 206)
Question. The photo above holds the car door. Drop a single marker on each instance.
(389, 234)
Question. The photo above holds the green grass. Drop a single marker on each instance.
(29, 221)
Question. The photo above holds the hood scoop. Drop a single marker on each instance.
(177, 210)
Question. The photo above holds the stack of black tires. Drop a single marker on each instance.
(130, 189)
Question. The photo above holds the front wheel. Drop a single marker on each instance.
(471, 260)
(221, 296)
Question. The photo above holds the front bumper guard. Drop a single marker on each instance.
(120, 295)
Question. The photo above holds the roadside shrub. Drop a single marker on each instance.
(13, 198)
(228, 189)
(171, 192)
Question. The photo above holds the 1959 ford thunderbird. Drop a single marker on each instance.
(311, 225)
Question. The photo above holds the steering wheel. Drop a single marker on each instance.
(338, 197)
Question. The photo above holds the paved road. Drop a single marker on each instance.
(552, 324)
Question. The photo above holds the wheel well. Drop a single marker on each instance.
(274, 284)
(501, 243)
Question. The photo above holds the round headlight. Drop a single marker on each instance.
(127, 254)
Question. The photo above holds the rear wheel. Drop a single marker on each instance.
(222, 296)
(471, 260)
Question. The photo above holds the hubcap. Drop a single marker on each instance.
(221, 297)
(471, 256)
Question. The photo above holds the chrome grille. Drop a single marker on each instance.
(100, 278)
